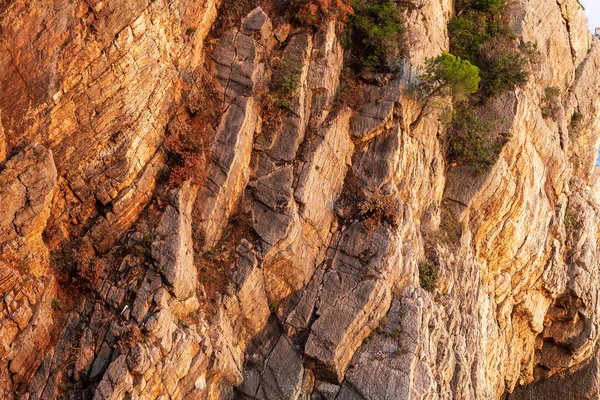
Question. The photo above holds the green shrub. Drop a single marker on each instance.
(486, 5)
(284, 86)
(570, 221)
(486, 59)
(288, 79)
(428, 275)
(550, 102)
(472, 141)
(481, 34)
(503, 72)
(55, 304)
(376, 35)
(468, 33)
(576, 120)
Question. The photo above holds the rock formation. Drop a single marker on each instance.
(291, 263)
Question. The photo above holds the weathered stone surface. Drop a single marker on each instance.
(174, 250)
(322, 176)
(239, 64)
(126, 207)
(355, 294)
(294, 219)
(257, 22)
(299, 298)
(581, 383)
(2, 140)
(295, 61)
(102, 100)
(248, 308)
(282, 374)
(388, 367)
(27, 186)
(325, 68)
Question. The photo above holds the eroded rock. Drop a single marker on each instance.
(174, 250)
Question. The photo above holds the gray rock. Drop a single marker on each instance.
(174, 250)
(257, 21)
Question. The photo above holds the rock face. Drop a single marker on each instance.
(174, 249)
(28, 186)
(293, 268)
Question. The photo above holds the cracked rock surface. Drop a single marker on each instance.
(288, 264)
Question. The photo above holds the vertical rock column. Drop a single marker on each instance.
(238, 62)
(174, 248)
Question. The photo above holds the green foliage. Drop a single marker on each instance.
(55, 304)
(472, 141)
(550, 102)
(284, 86)
(210, 254)
(486, 5)
(273, 307)
(469, 31)
(576, 120)
(428, 275)
(376, 32)
(289, 81)
(485, 60)
(448, 75)
(480, 34)
(504, 72)
(570, 221)
(144, 248)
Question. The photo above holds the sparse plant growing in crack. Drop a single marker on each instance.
(55, 304)
(274, 306)
(285, 84)
(570, 221)
(576, 120)
(348, 92)
(551, 102)
(373, 212)
(428, 275)
(190, 131)
(211, 254)
(143, 249)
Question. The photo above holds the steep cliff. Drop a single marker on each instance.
(205, 200)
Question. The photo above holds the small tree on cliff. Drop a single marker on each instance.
(446, 76)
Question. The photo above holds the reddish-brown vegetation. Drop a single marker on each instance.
(190, 132)
(315, 12)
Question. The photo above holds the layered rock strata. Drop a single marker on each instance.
(292, 271)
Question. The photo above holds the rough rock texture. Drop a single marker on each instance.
(291, 269)
(174, 249)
